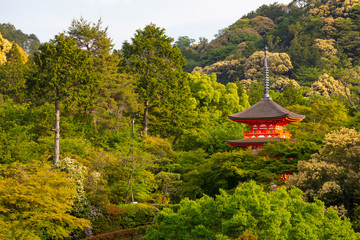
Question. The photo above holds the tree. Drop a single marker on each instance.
(322, 116)
(251, 213)
(184, 42)
(349, 79)
(12, 73)
(226, 71)
(280, 63)
(167, 179)
(273, 11)
(225, 170)
(333, 174)
(290, 95)
(94, 39)
(157, 65)
(5, 46)
(327, 86)
(117, 95)
(29, 42)
(62, 72)
(35, 201)
(262, 24)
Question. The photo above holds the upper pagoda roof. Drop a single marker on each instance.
(266, 109)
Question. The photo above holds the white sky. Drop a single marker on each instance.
(193, 18)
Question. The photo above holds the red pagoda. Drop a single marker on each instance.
(265, 118)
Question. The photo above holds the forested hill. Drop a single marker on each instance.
(29, 42)
(98, 141)
(316, 35)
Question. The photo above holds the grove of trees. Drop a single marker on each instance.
(142, 148)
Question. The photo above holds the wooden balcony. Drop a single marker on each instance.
(267, 134)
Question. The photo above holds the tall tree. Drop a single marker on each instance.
(117, 94)
(156, 63)
(63, 72)
(93, 38)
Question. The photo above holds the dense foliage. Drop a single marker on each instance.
(143, 128)
(251, 213)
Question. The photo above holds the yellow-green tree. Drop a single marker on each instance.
(281, 83)
(326, 86)
(35, 201)
(5, 46)
(226, 71)
(334, 174)
(13, 69)
(280, 63)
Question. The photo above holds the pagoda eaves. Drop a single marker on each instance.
(266, 109)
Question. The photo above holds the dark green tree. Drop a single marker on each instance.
(116, 96)
(157, 65)
(348, 37)
(62, 72)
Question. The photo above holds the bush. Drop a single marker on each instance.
(123, 217)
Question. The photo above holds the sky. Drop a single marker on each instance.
(193, 18)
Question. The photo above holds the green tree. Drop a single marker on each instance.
(333, 174)
(62, 72)
(35, 201)
(184, 42)
(167, 179)
(251, 213)
(12, 74)
(176, 112)
(290, 95)
(116, 96)
(157, 65)
(322, 116)
(93, 38)
(348, 37)
(349, 79)
(224, 170)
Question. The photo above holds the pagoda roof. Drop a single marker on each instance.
(255, 141)
(266, 109)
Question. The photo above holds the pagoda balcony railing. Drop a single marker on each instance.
(267, 134)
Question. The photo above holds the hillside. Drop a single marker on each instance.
(116, 143)
(316, 35)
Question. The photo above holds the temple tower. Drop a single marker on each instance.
(265, 118)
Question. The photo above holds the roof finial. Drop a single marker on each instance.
(266, 77)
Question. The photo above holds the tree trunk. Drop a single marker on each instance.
(165, 192)
(146, 117)
(94, 120)
(176, 138)
(57, 133)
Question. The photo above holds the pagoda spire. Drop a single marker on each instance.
(266, 77)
